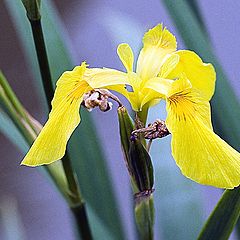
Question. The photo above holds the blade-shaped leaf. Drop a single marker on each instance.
(11, 132)
(84, 146)
(224, 217)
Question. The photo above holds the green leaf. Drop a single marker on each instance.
(88, 161)
(32, 8)
(8, 128)
(193, 4)
(224, 217)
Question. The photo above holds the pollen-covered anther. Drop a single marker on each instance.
(158, 129)
(99, 98)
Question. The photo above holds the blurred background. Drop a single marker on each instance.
(30, 207)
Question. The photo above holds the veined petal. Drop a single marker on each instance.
(160, 85)
(101, 78)
(126, 56)
(157, 43)
(169, 64)
(155, 89)
(68, 83)
(64, 117)
(201, 75)
(200, 154)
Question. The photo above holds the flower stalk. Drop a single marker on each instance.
(140, 170)
(40, 47)
(77, 204)
(33, 9)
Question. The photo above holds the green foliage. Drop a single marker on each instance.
(224, 217)
(32, 8)
(8, 128)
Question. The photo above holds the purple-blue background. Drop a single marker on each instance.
(94, 28)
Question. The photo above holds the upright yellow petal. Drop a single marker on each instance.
(126, 56)
(169, 64)
(157, 43)
(200, 154)
(201, 75)
(51, 143)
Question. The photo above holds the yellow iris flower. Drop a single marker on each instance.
(179, 77)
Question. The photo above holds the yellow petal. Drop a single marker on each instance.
(101, 78)
(51, 143)
(160, 85)
(157, 43)
(67, 83)
(154, 90)
(169, 64)
(200, 154)
(126, 55)
(201, 75)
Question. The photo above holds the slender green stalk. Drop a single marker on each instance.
(83, 226)
(16, 118)
(12, 98)
(140, 170)
(142, 116)
(49, 91)
(42, 59)
(76, 198)
(223, 218)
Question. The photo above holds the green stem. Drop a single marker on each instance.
(42, 59)
(49, 91)
(140, 169)
(13, 100)
(223, 218)
(143, 115)
(15, 118)
(80, 215)
(144, 215)
(76, 198)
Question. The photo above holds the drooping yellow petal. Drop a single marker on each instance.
(200, 154)
(51, 143)
(201, 75)
(157, 43)
(67, 83)
(126, 56)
